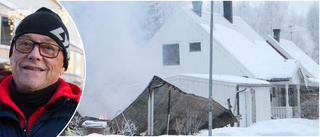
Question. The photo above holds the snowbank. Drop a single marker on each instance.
(279, 127)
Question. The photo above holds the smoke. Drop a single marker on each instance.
(112, 36)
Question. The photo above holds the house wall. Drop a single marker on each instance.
(255, 105)
(298, 78)
(221, 91)
(184, 30)
(243, 105)
(263, 103)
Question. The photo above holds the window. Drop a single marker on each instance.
(196, 46)
(291, 97)
(170, 54)
(274, 92)
(283, 96)
(5, 31)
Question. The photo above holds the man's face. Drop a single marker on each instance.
(31, 71)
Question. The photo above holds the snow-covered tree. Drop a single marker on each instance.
(263, 17)
(154, 18)
(157, 12)
(313, 29)
(310, 109)
(271, 15)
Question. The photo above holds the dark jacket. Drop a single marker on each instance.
(48, 121)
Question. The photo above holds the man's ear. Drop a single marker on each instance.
(62, 70)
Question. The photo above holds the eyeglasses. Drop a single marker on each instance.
(46, 49)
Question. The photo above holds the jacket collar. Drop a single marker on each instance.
(64, 89)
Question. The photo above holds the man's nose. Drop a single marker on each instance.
(35, 53)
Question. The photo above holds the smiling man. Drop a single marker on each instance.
(35, 101)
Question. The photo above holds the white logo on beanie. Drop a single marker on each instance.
(57, 33)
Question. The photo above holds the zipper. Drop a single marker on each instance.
(25, 126)
(32, 128)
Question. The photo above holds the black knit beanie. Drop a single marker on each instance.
(44, 21)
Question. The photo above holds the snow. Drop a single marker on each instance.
(313, 80)
(276, 127)
(255, 55)
(297, 53)
(279, 127)
(229, 79)
(90, 123)
(247, 47)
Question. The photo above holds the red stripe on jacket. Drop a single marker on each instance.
(64, 89)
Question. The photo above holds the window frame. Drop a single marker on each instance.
(5, 31)
(171, 54)
(192, 47)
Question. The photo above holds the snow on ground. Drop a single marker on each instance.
(279, 127)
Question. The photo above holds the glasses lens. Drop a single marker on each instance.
(24, 45)
(46, 49)
(49, 50)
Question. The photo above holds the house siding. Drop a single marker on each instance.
(221, 91)
(183, 30)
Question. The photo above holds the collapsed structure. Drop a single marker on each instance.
(175, 112)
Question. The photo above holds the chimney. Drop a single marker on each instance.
(197, 7)
(227, 10)
(276, 34)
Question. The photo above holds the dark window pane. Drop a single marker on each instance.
(171, 54)
(195, 46)
(5, 31)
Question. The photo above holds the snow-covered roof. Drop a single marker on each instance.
(295, 52)
(246, 46)
(97, 124)
(230, 79)
(313, 81)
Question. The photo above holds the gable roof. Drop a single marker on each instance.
(292, 51)
(246, 46)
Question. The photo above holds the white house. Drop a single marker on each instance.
(301, 88)
(13, 11)
(243, 63)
